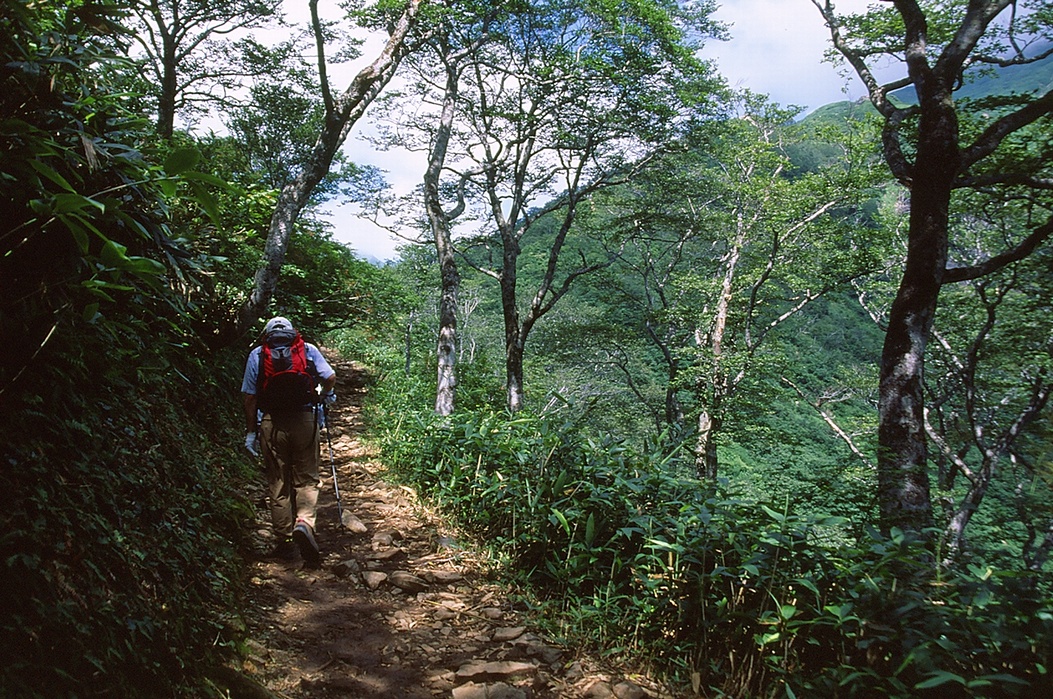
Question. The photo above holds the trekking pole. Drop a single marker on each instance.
(332, 464)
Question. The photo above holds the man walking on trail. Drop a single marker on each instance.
(281, 384)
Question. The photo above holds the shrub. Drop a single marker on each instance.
(118, 531)
(743, 597)
(118, 556)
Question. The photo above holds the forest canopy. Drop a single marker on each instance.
(757, 397)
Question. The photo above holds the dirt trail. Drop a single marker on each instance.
(398, 608)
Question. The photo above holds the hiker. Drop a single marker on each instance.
(285, 381)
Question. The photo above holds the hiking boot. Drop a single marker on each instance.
(284, 551)
(303, 535)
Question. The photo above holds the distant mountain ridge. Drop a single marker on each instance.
(1022, 79)
(1032, 77)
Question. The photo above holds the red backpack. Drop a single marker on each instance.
(285, 384)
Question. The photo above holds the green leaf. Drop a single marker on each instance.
(590, 529)
(940, 677)
(114, 255)
(206, 178)
(80, 236)
(181, 160)
(808, 585)
(91, 312)
(208, 203)
(169, 187)
(96, 285)
(66, 203)
(840, 611)
(562, 520)
(144, 265)
(981, 572)
(51, 175)
(999, 677)
(778, 517)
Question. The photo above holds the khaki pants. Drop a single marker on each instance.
(290, 449)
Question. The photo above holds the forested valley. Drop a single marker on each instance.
(753, 400)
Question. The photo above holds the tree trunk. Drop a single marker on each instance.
(446, 349)
(706, 446)
(166, 100)
(903, 477)
(709, 419)
(450, 278)
(346, 111)
(514, 373)
(513, 332)
(954, 532)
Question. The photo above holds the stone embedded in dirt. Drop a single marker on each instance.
(387, 537)
(497, 670)
(492, 613)
(531, 646)
(345, 568)
(341, 685)
(508, 633)
(402, 620)
(408, 582)
(629, 690)
(352, 523)
(441, 684)
(373, 578)
(389, 555)
(497, 690)
(442, 577)
(599, 690)
(547, 654)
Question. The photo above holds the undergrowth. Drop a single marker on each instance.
(729, 596)
(120, 524)
(119, 529)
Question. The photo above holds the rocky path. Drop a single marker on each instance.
(399, 608)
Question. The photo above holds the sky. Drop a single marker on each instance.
(776, 48)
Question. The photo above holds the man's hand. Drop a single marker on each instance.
(252, 443)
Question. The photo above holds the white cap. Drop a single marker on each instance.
(278, 324)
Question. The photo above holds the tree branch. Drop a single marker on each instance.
(1025, 248)
(323, 76)
(993, 135)
(829, 420)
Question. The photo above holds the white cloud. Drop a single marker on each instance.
(776, 48)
